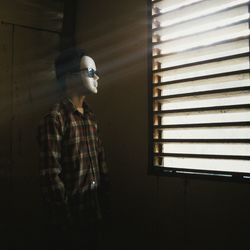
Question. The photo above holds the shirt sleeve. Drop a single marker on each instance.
(49, 139)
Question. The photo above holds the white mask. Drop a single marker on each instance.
(89, 77)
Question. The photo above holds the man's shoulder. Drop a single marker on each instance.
(51, 122)
(55, 113)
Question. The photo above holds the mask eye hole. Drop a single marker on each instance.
(92, 72)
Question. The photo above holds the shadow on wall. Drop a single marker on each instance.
(27, 94)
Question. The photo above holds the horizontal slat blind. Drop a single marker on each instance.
(201, 86)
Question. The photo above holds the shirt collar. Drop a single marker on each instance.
(70, 107)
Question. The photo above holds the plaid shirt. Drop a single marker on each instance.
(72, 162)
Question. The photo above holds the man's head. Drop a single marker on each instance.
(75, 71)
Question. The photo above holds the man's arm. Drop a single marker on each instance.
(53, 189)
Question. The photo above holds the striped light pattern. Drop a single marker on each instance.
(201, 86)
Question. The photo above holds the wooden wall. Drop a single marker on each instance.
(149, 212)
(29, 42)
(43, 14)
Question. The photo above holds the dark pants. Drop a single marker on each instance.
(78, 235)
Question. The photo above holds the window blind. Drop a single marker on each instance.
(200, 87)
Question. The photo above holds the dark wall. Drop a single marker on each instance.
(29, 42)
(149, 211)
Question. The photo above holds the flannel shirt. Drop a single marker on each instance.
(72, 161)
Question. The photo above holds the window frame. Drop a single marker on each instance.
(225, 176)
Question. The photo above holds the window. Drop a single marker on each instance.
(200, 87)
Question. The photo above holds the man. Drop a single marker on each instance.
(73, 168)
